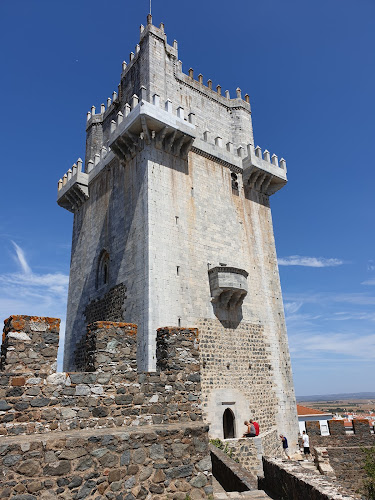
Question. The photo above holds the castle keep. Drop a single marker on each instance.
(172, 227)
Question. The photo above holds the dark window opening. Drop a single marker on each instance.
(102, 272)
(234, 181)
(228, 424)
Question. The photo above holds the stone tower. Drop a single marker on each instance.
(172, 227)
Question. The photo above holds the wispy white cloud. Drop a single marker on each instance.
(349, 316)
(298, 260)
(292, 307)
(371, 265)
(371, 281)
(325, 298)
(36, 294)
(315, 345)
(21, 259)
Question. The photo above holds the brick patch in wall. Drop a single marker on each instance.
(110, 307)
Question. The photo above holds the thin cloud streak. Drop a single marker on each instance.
(21, 258)
(298, 260)
(371, 281)
(311, 345)
(34, 294)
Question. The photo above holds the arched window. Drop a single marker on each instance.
(102, 273)
(228, 424)
(234, 181)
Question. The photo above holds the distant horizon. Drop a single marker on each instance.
(340, 395)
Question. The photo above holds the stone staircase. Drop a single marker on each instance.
(254, 494)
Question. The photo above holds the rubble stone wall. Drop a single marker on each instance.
(164, 460)
(30, 344)
(343, 452)
(250, 451)
(286, 479)
(236, 374)
(108, 432)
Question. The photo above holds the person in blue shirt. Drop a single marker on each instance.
(285, 446)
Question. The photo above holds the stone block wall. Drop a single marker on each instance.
(116, 394)
(29, 345)
(108, 347)
(287, 480)
(338, 438)
(113, 432)
(149, 462)
(250, 451)
(340, 453)
(237, 369)
(229, 473)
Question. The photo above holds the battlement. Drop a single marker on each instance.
(30, 345)
(172, 52)
(119, 427)
(72, 188)
(147, 108)
(169, 128)
(263, 172)
(337, 433)
(109, 391)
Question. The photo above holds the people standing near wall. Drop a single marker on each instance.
(256, 425)
(306, 444)
(285, 446)
(250, 431)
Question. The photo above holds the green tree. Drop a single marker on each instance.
(369, 467)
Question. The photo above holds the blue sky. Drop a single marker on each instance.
(309, 69)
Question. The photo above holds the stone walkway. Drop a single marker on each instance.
(255, 494)
(221, 494)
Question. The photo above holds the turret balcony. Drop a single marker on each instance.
(263, 172)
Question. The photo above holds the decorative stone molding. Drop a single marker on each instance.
(228, 286)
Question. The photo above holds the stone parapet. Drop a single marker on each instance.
(336, 427)
(341, 455)
(249, 451)
(115, 395)
(108, 347)
(361, 427)
(109, 431)
(177, 349)
(29, 345)
(139, 463)
(288, 479)
(233, 477)
(338, 438)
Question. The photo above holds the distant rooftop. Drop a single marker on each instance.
(303, 411)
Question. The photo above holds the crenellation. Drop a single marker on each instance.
(112, 424)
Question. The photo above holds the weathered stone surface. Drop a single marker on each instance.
(58, 468)
(4, 406)
(28, 468)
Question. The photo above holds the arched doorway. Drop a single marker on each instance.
(228, 424)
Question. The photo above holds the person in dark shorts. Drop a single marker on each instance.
(306, 444)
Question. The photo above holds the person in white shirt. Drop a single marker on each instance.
(306, 444)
